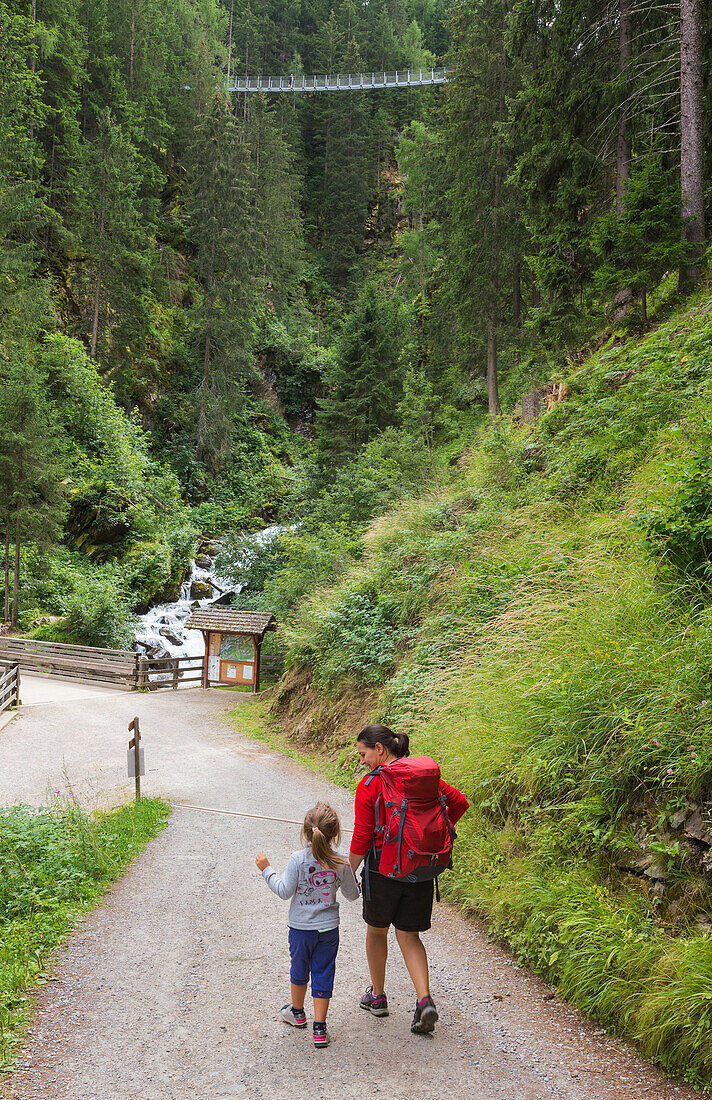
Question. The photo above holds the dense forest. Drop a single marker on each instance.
(223, 310)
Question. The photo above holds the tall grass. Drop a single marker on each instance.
(55, 864)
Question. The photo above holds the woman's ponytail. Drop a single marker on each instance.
(398, 744)
(322, 830)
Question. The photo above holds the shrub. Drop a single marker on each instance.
(100, 615)
(354, 637)
(680, 528)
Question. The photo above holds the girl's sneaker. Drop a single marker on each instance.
(425, 1017)
(294, 1016)
(376, 1004)
(321, 1035)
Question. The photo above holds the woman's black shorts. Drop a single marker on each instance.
(406, 905)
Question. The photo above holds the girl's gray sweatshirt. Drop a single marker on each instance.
(312, 889)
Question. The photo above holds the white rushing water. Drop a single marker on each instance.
(163, 633)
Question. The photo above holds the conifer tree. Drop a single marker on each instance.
(638, 241)
(31, 466)
(109, 227)
(223, 230)
(365, 383)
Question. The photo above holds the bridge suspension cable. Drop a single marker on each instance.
(350, 82)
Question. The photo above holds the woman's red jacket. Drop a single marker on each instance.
(364, 820)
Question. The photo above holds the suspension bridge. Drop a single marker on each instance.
(350, 82)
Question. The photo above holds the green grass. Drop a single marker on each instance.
(55, 864)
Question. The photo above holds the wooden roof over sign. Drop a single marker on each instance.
(225, 620)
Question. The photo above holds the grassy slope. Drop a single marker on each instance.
(522, 635)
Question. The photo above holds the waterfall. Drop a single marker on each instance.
(162, 631)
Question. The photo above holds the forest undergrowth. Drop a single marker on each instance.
(543, 627)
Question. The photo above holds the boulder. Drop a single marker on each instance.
(203, 562)
(678, 820)
(657, 870)
(696, 828)
(225, 600)
(170, 635)
(208, 547)
(200, 590)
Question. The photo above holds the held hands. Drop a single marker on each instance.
(262, 861)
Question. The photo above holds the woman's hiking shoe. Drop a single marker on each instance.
(321, 1035)
(425, 1017)
(295, 1016)
(376, 1004)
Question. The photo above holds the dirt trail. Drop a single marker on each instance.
(171, 989)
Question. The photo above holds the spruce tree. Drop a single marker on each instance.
(365, 382)
(223, 230)
(31, 466)
(109, 227)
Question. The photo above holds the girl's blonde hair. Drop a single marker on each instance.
(322, 830)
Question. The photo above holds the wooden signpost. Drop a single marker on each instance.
(134, 757)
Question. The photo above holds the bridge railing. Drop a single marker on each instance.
(341, 82)
(9, 685)
(70, 662)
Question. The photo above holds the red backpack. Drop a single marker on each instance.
(416, 832)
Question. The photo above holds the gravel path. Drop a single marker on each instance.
(170, 990)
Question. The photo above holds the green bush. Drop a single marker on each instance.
(679, 529)
(100, 615)
(353, 638)
(215, 517)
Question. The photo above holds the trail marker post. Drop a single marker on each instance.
(134, 757)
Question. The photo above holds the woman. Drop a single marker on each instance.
(401, 902)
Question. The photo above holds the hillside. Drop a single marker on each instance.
(542, 626)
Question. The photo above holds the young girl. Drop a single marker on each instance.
(311, 879)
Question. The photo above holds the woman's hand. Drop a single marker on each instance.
(262, 861)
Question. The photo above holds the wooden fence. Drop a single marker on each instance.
(9, 686)
(156, 673)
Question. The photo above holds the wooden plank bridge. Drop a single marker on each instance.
(350, 82)
(119, 668)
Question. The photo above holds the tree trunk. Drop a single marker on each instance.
(229, 46)
(517, 299)
(97, 289)
(691, 135)
(622, 300)
(131, 51)
(624, 147)
(16, 584)
(50, 188)
(203, 415)
(7, 565)
(536, 297)
(644, 305)
(492, 386)
(492, 383)
(32, 59)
